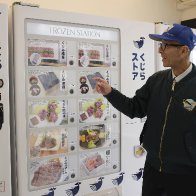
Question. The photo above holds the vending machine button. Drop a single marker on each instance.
(72, 148)
(71, 62)
(114, 166)
(71, 91)
(72, 119)
(73, 175)
(114, 63)
(1, 83)
(114, 141)
(107, 152)
(114, 115)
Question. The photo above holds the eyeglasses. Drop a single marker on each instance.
(163, 46)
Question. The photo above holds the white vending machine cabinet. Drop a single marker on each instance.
(69, 139)
(5, 154)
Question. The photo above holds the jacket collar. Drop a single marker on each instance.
(192, 74)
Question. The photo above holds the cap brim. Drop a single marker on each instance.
(157, 37)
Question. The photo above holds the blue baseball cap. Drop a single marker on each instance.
(179, 33)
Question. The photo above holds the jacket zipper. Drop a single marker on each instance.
(162, 135)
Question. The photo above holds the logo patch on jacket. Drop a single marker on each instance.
(189, 104)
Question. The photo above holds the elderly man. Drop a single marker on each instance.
(168, 99)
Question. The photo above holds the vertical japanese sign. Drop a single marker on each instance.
(138, 61)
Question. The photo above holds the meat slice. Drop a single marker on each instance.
(48, 173)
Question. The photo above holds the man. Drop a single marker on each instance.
(168, 99)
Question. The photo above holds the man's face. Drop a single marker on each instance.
(171, 53)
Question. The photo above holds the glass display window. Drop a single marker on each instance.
(73, 133)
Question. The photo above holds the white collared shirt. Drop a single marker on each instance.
(182, 75)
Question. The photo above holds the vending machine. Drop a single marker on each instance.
(5, 154)
(69, 139)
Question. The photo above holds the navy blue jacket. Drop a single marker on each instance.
(169, 133)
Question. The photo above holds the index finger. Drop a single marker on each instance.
(98, 79)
